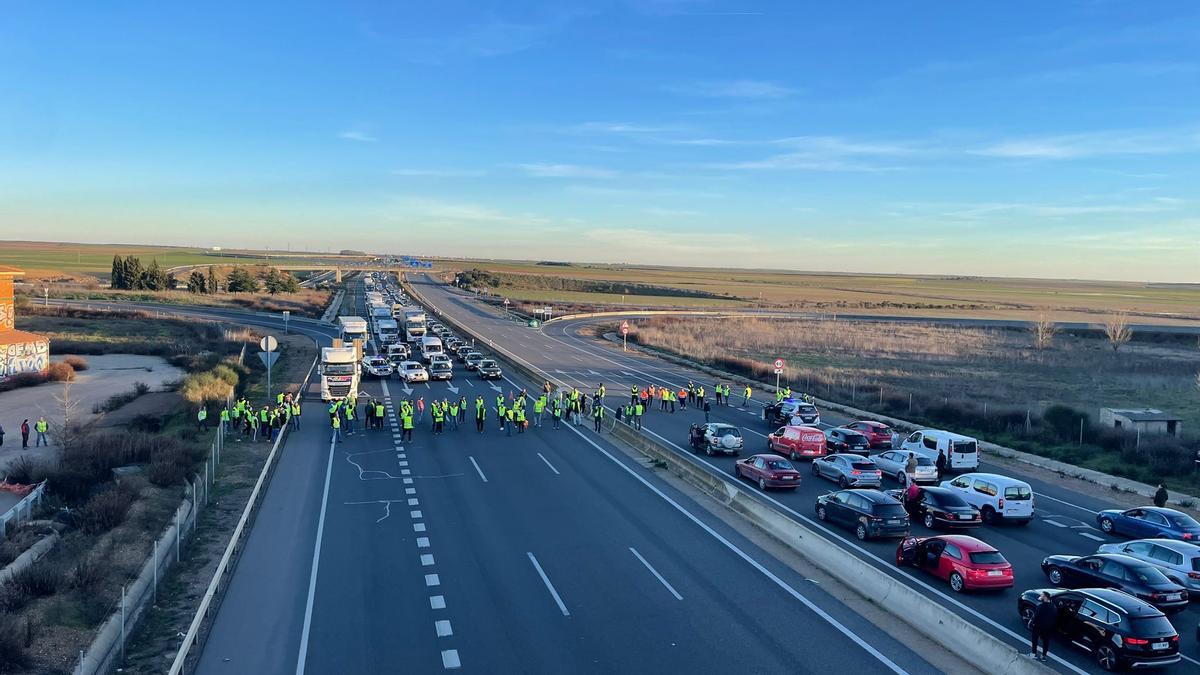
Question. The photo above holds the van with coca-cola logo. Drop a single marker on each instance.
(796, 442)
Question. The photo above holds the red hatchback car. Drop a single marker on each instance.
(795, 442)
(769, 471)
(878, 433)
(966, 562)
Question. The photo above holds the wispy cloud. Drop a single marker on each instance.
(753, 89)
(672, 213)
(831, 153)
(462, 213)
(1096, 144)
(979, 211)
(439, 173)
(358, 136)
(636, 243)
(565, 171)
(627, 128)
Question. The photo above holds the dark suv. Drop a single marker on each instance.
(1117, 628)
(870, 512)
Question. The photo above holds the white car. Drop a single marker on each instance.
(440, 358)
(377, 366)
(1179, 560)
(413, 371)
(998, 498)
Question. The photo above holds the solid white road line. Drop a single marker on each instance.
(302, 657)
(548, 463)
(655, 573)
(549, 586)
(477, 469)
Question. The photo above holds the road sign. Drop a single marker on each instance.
(779, 371)
(624, 328)
(286, 315)
(506, 302)
(778, 364)
(268, 344)
(268, 358)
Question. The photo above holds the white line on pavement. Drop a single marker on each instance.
(422, 542)
(1091, 536)
(437, 602)
(450, 659)
(427, 560)
(549, 586)
(477, 469)
(302, 658)
(432, 580)
(548, 463)
(418, 527)
(655, 573)
(442, 626)
(1054, 523)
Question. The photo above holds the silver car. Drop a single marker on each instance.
(893, 463)
(1179, 560)
(848, 470)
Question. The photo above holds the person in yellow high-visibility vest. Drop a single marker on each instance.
(746, 396)
(336, 423)
(41, 426)
(202, 419)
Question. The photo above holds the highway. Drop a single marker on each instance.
(538, 552)
(1064, 522)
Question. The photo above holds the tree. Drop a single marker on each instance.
(197, 282)
(271, 280)
(211, 285)
(1117, 330)
(117, 276)
(1044, 330)
(154, 278)
(240, 280)
(280, 282)
(133, 273)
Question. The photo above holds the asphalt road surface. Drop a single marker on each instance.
(549, 551)
(1064, 522)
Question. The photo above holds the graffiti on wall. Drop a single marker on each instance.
(24, 357)
(6, 315)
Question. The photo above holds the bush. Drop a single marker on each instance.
(1064, 421)
(165, 474)
(87, 574)
(105, 510)
(60, 372)
(14, 634)
(77, 362)
(39, 580)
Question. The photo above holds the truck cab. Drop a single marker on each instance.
(339, 371)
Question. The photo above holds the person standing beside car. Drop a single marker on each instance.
(941, 463)
(1045, 618)
(910, 467)
(1160, 496)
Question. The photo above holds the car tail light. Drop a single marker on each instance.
(1136, 641)
(855, 472)
(1001, 503)
(1187, 535)
(1194, 575)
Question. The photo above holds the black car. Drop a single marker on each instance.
(939, 508)
(845, 440)
(441, 370)
(781, 413)
(1122, 572)
(1118, 629)
(870, 512)
(488, 370)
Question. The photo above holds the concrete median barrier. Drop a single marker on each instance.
(987, 652)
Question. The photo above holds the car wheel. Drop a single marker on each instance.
(762, 484)
(737, 471)
(929, 520)
(956, 582)
(843, 483)
(821, 515)
(1106, 525)
(861, 532)
(1054, 575)
(900, 477)
(708, 451)
(1027, 616)
(816, 468)
(989, 515)
(793, 456)
(1106, 657)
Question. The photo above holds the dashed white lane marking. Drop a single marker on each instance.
(450, 659)
(408, 481)
(1091, 536)
(405, 472)
(437, 602)
(418, 527)
(410, 491)
(413, 502)
(548, 463)
(422, 542)
(414, 514)
(477, 469)
(1054, 523)
(432, 580)
(549, 586)
(655, 573)
(442, 626)
(427, 560)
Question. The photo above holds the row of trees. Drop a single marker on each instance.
(129, 274)
(243, 280)
(1116, 329)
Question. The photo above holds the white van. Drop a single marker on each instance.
(962, 452)
(998, 498)
(430, 346)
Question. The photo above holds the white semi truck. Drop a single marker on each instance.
(339, 373)
(414, 324)
(379, 311)
(387, 330)
(353, 328)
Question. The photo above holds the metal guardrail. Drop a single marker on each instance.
(26, 506)
(210, 602)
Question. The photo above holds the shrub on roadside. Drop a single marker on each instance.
(39, 580)
(60, 372)
(77, 362)
(165, 474)
(105, 510)
(13, 635)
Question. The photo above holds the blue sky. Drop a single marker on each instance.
(1040, 138)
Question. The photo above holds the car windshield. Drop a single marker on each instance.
(806, 409)
(864, 466)
(1183, 521)
(922, 460)
(967, 447)
(987, 558)
(487, 364)
(780, 465)
(890, 511)
(339, 369)
(1017, 492)
(855, 438)
(727, 431)
(948, 499)
(1149, 575)
(1151, 626)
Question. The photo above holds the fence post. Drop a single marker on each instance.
(881, 395)
(156, 571)
(122, 623)
(910, 402)
(178, 526)
(1081, 432)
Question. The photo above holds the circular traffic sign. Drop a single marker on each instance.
(268, 344)
(778, 364)
(624, 328)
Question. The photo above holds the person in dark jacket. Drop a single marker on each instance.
(1160, 496)
(941, 463)
(25, 433)
(1045, 618)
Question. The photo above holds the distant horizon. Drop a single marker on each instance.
(438, 257)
